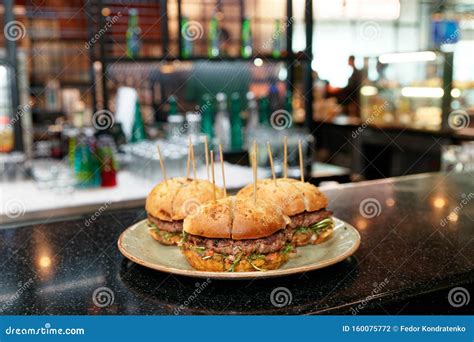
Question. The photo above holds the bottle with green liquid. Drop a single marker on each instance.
(263, 111)
(207, 112)
(138, 127)
(133, 34)
(277, 36)
(289, 102)
(213, 47)
(187, 46)
(246, 48)
(236, 122)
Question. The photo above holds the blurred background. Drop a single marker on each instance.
(373, 89)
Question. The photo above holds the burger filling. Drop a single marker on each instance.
(311, 227)
(168, 233)
(235, 255)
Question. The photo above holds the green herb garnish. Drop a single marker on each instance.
(235, 262)
(287, 249)
(199, 249)
(317, 227)
(255, 256)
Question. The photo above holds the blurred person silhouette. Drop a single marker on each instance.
(349, 96)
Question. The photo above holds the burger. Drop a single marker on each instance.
(236, 235)
(302, 202)
(169, 203)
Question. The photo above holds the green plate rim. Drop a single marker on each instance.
(243, 275)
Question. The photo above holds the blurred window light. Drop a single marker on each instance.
(3, 75)
(357, 9)
(368, 91)
(455, 93)
(427, 92)
(407, 57)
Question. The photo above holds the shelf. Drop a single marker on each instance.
(78, 84)
(193, 58)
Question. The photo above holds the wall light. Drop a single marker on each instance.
(368, 91)
(406, 57)
(428, 92)
(455, 92)
(258, 62)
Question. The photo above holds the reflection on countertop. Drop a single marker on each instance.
(417, 243)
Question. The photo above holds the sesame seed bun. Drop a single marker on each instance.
(236, 218)
(178, 198)
(291, 196)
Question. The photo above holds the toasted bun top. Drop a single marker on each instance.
(236, 218)
(290, 195)
(179, 198)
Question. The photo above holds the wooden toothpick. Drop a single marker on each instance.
(206, 148)
(269, 149)
(254, 172)
(300, 151)
(285, 157)
(163, 170)
(221, 155)
(193, 161)
(189, 160)
(213, 176)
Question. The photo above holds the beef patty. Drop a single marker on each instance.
(272, 243)
(172, 227)
(306, 219)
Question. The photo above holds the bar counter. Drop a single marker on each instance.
(416, 246)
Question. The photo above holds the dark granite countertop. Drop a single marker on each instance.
(418, 248)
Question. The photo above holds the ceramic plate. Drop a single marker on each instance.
(138, 246)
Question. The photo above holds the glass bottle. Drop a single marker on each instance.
(207, 112)
(263, 109)
(222, 122)
(246, 48)
(236, 122)
(105, 152)
(138, 128)
(253, 121)
(133, 34)
(276, 50)
(187, 46)
(213, 47)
